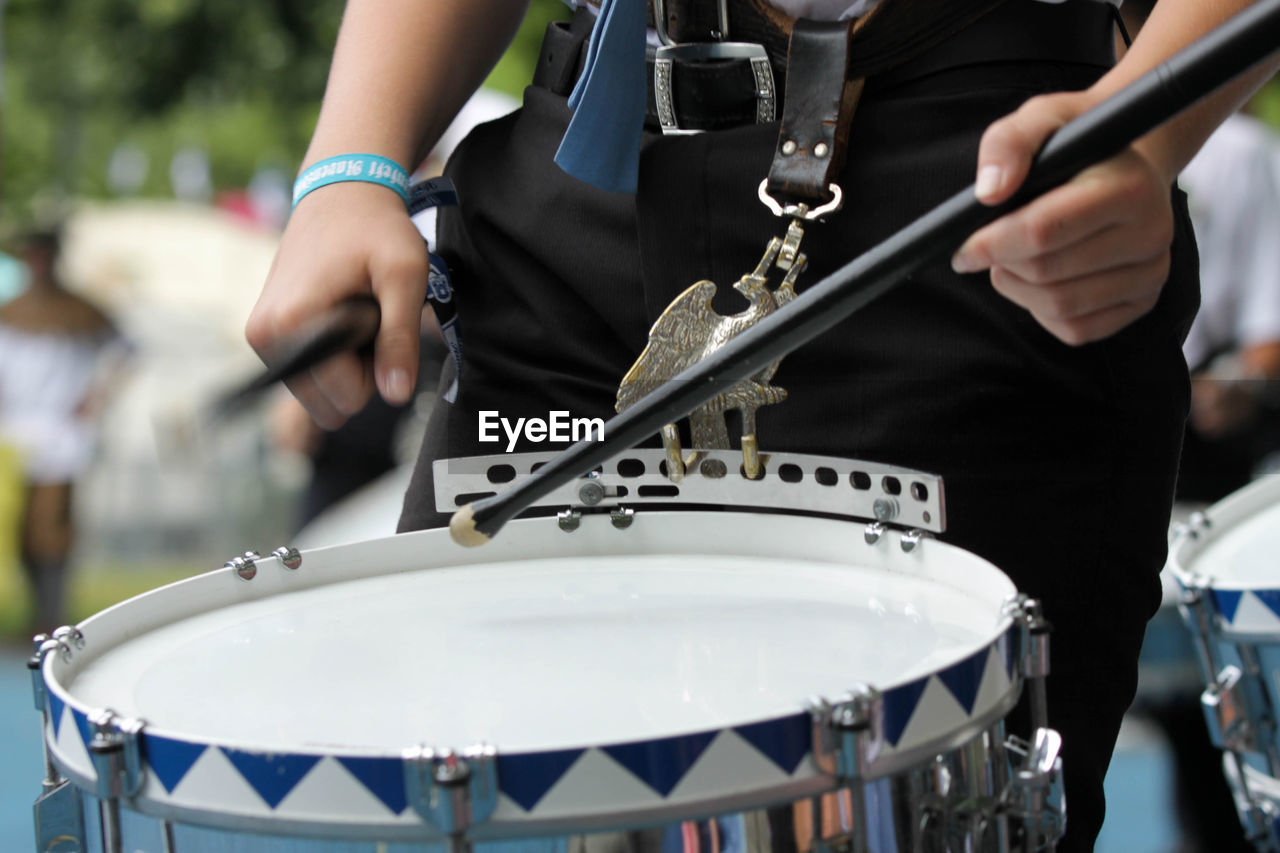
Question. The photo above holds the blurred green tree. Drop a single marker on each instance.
(242, 81)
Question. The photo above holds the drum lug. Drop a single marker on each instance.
(59, 821)
(849, 735)
(1197, 614)
(44, 645)
(451, 791)
(1034, 795)
(1227, 711)
(1033, 652)
(116, 752)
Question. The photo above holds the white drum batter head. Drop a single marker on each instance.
(651, 672)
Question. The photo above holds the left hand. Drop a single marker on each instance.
(1086, 259)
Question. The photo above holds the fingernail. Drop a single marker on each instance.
(963, 261)
(397, 384)
(990, 177)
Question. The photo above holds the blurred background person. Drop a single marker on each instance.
(1233, 354)
(59, 357)
(1233, 349)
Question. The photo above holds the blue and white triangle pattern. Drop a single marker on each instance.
(638, 776)
(921, 712)
(1249, 611)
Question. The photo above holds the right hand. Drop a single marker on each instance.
(344, 240)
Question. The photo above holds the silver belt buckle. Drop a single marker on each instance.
(718, 48)
(664, 68)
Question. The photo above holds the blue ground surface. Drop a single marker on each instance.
(21, 762)
(1138, 812)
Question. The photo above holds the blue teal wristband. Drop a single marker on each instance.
(370, 168)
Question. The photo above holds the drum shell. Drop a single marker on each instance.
(67, 729)
(955, 796)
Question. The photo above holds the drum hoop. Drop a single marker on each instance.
(1001, 647)
(495, 830)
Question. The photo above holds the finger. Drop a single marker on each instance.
(1114, 204)
(1009, 145)
(345, 381)
(1067, 300)
(324, 413)
(1111, 249)
(1053, 222)
(1089, 308)
(400, 283)
(263, 332)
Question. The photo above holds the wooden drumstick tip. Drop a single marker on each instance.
(462, 527)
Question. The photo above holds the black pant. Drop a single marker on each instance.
(1058, 462)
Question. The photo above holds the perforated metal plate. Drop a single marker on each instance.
(792, 481)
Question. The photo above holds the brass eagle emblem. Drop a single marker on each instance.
(689, 330)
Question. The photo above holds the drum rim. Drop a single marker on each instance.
(1001, 642)
(410, 829)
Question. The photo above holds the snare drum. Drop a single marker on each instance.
(564, 681)
(1227, 560)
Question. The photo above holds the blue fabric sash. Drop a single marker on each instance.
(602, 143)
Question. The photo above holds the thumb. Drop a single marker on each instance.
(1010, 144)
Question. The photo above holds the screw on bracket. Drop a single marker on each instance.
(290, 558)
(246, 567)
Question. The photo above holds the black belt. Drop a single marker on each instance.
(719, 94)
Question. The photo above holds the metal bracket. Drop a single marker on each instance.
(59, 820)
(1226, 712)
(792, 481)
(451, 791)
(246, 566)
(800, 211)
(1035, 795)
(289, 557)
(35, 663)
(848, 736)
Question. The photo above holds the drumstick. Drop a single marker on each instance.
(1103, 131)
(349, 325)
